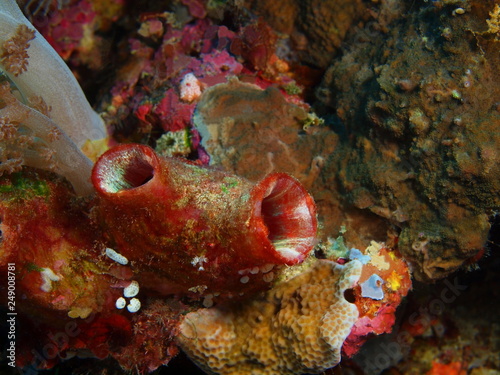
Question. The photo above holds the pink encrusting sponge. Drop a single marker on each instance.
(190, 228)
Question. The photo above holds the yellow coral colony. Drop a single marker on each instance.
(297, 327)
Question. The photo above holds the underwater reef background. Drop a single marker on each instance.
(250, 187)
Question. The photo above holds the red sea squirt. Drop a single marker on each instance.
(187, 228)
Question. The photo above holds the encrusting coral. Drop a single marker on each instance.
(275, 136)
(297, 327)
(39, 236)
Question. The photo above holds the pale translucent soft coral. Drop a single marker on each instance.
(50, 120)
(28, 137)
(48, 76)
(297, 327)
(14, 50)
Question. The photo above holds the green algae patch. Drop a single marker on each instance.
(18, 186)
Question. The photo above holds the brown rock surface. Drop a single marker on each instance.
(420, 107)
(317, 27)
(252, 132)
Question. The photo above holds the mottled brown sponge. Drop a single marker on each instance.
(297, 327)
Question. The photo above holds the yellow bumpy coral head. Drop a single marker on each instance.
(297, 327)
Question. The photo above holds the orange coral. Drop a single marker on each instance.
(453, 368)
(14, 56)
(384, 281)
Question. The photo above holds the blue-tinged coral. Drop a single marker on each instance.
(372, 288)
(358, 255)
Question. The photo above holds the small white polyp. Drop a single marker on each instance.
(120, 303)
(47, 277)
(134, 305)
(190, 88)
(132, 290)
(118, 258)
